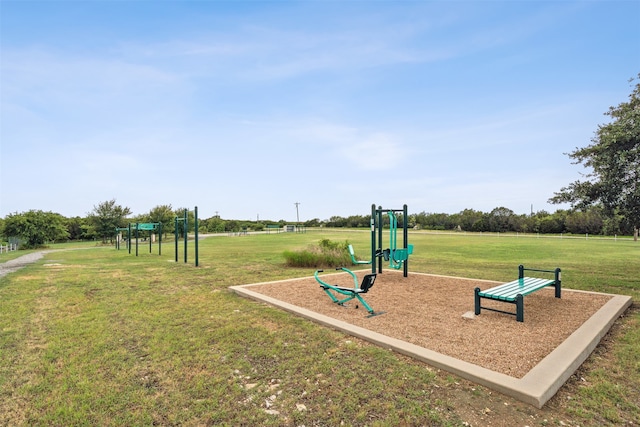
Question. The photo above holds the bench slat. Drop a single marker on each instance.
(509, 291)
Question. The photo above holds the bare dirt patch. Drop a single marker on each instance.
(428, 310)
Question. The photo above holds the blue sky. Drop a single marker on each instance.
(244, 108)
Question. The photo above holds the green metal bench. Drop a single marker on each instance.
(514, 292)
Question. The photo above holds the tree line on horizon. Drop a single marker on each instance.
(37, 228)
(504, 220)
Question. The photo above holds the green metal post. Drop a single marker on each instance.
(160, 238)
(136, 239)
(374, 250)
(405, 239)
(196, 232)
(393, 231)
(175, 232)
(185, 227)
(129, 238)
(380, 227)
(391, 216)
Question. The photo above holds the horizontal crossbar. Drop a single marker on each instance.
(538, 270)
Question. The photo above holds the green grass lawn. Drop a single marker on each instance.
(101, 337)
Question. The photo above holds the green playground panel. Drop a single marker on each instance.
(147, 226)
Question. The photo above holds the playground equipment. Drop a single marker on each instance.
(185, 229)
(398, 257)
(350, 293)
(136, 227)
(355, 260)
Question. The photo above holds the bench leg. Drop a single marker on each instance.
(558, 282)
(519, 308)
(477, 300)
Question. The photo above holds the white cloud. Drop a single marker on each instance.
(374, 152)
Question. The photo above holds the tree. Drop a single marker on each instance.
(35, 227)
(546, 223)
(336, 221)
(77, 228)
(163, 214)
(214, 224)
(500, 219)
(435, 221)
(585, 222)
(468, 218)
(614, 160)
(106, 217)
(358, 221)
(191, 220)
(315, 222)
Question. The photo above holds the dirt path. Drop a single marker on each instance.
(17, 263)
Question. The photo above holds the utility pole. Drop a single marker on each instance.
(297, 214)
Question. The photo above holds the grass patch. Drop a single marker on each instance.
(101, 337)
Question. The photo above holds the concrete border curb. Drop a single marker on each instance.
(538, 386)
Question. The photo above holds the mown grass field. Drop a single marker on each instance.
(101, 337)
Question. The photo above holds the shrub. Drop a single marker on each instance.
(324, 254)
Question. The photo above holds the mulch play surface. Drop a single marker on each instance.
(427, 310)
